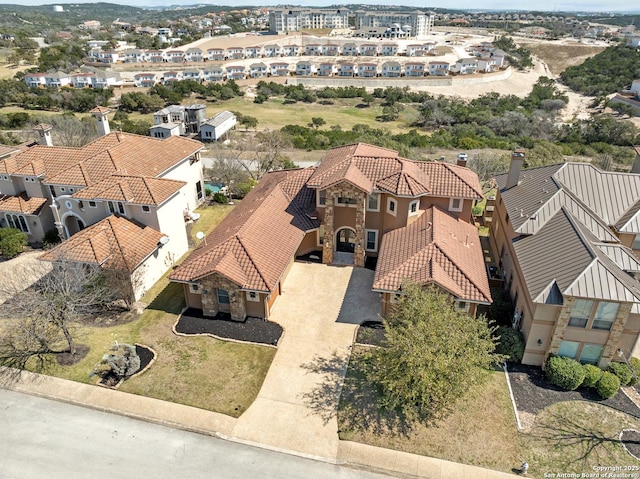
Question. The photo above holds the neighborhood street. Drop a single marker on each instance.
(44, 438)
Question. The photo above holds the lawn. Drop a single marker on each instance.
(466, 436)
(203, 372)
(568, 436)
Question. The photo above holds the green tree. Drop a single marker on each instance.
(12, 242)
(433, 354)
(317, 122)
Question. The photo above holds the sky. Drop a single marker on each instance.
(539, 5)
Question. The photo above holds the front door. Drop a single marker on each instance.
(346, 241)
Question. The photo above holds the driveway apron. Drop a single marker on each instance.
(319, 310)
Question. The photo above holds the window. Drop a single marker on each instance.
(146, 209)
(322, 197)
(71, 190)
(391, 206)
(605, 315)
(321, 235)
(462, 306)
(199, 190)
(580, 313)
(92, 204)
(52, 190)
(253, 296)
(455, 204)
(568, 349)
(413, 207)
(223, 296)
(371, 240)
(81, 204)
(116, 207)
(590, 353)
(18, 222)
(195, 288)
(373, 202)
(636, 242)
(63, 189)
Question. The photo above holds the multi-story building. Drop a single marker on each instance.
(419, 23)
(283, 20)
(566, 242)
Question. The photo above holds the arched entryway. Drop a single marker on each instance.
(73, 224)
(346, 240)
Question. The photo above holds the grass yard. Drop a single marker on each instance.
(568, 437)
(203, 372)
(274, 114)
(466, 436)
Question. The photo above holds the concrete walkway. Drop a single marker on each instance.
(319, 309)
(295, 411)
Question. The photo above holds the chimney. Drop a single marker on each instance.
(102, 122)
(517, 159)
(44, 133)
(462, 159)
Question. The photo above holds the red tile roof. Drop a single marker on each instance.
(374, 168)
(254, 244)
(22, 204)
(112, 242)
(133, 189)
(436, 248)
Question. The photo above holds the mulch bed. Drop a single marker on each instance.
(631, 441)
(371, 333)
(534, 393)
(145, 354)
(254, 330)
(68, 359)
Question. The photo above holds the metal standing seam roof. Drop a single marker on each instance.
(219, 118)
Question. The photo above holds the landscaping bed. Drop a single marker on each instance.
(252, 330)
(371, 333)
(533, 393)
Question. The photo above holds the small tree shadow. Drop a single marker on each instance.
(351, 398)
(566, 434)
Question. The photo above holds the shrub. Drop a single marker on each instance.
(592, 375)
(51, 238)
(634, 363)
(12, 242)
(220, 198)
(566, 373)
(608, 385)
(622, 371)
(510, 344)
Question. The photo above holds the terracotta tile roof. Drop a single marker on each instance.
(133, 189)
(116, 152)
(112, 242)
(372, 167)
(22, 204)
(435, 248)
(253, 245)
(100, 109)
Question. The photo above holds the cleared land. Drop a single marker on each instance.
(560, 56)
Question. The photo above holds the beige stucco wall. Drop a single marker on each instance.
(193, 300)
(256, 308)
(309, 243)
(190, 173)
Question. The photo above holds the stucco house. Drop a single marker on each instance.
(361, 202)
(144, 181)
(566, 239)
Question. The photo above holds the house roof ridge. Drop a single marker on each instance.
(574, 224)
(451, 168)
(246, 251)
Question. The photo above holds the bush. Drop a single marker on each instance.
(566, 373)
(622, 371)
(510, 343)
(592, 375)
(634, 363)
(220, 198)
(608, 385)
(51, 238)
(12, 242)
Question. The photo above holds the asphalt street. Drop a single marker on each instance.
(40, 438)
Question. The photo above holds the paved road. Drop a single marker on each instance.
(44, 438)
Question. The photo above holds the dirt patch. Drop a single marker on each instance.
(68, 359)
(559, 57)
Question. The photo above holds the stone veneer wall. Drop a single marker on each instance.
(612, 343)
(345, 190)
(210, 306)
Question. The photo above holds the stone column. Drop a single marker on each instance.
(327, 241)
(359, 251)
(612, 344)
(209, 297)
(561, 325)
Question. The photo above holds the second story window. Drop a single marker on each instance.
(392, 206)
(322, 198)
(414, 207)
(373, 202)
(455, 204)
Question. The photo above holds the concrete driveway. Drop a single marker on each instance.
(319, 310)
(21, 272)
